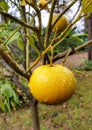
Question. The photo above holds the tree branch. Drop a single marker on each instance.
(24, 89)
(63, 54)
(15, 4)
(18, 21)
(38, 14)
(6, 57)
(37, 11)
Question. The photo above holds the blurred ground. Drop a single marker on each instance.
(78, 58)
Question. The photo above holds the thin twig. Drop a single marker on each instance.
(64, 11)
(76, 11)
(18, 21)
(15, 4)
(48, 30)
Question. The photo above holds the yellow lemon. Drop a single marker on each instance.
(52, 84)
(43, 4)
(61, 24)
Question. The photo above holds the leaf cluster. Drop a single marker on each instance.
(9, 98)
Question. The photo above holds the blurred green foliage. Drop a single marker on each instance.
(11, 98)
(73, 40)
(86, 65)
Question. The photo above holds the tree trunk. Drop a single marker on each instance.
(33, 103)
(35, 116)
(88, 23)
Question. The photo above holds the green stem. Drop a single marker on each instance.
(67, 54)
(27, 51)
(63, 36)
(86, 4)
(51, 58)
(35, 62)
(48, 30)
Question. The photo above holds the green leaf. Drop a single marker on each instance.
(7, 104)
(15, 97)
(31, 40)
(80, 35)
(87, 6)
(4, 6)
(14, 37)
(32, 43)
(7, 90)
(2, 107)
(20, 43)
(77, 39)
(12, 104)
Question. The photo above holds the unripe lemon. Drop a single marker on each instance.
(43, 4)
(52, 84)
(61, 24)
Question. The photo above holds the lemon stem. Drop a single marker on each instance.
(52, 54)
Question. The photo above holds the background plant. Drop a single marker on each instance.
(86, 65)
(11, 97)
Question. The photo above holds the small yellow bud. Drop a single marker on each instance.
(43, 4)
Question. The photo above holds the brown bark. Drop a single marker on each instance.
(88, 23)
(33, 103)
(13, 64)
(35, 116)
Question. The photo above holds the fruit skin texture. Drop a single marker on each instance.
(61, 24)
(52, 84)
(43, 4)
